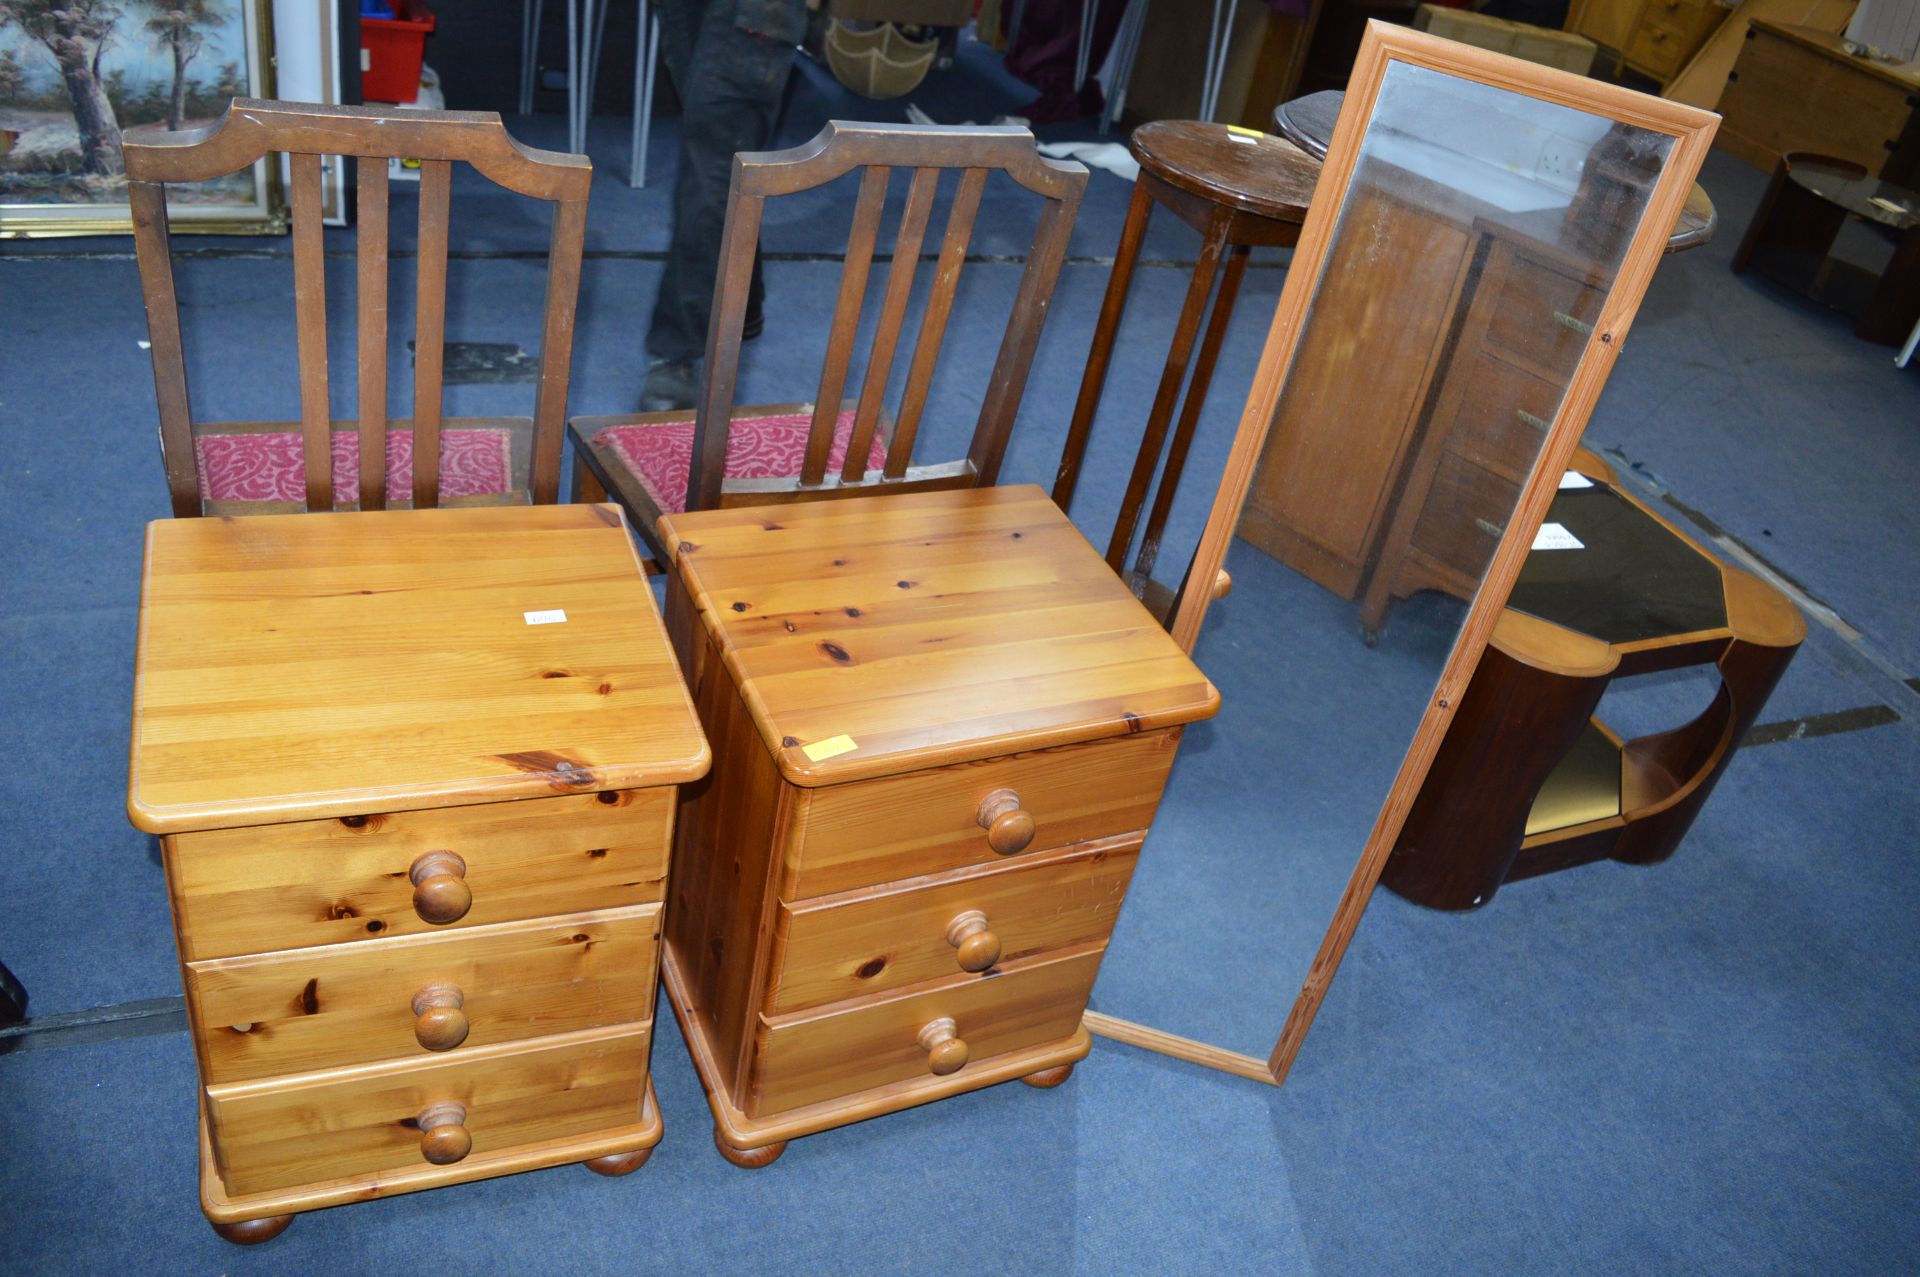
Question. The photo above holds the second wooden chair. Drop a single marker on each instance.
(721, 454)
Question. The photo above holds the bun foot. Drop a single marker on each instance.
(251, 1232)
(615, 1164)
(1047, 1079)
(751, 1159)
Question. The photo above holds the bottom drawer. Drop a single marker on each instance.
(274, 1135)
(813, 1056)
(833, 948)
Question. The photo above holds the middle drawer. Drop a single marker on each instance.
(411, 997)
(865, 942)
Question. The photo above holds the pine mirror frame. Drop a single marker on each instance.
(1383, 45)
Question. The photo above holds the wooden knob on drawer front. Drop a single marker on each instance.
(979, 948)
(1009, 829)
(439, 1024)
(945, 1052)
(443, 1134)
(440, 890)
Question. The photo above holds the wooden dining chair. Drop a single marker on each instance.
(722, 454)
(318, 463)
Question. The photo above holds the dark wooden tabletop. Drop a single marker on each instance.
(1256, 172)
(1843, 184)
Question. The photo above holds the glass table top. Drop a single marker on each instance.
(1632, 579)
(1868, 197)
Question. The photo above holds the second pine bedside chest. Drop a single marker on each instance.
(940, 727)
(414, 777)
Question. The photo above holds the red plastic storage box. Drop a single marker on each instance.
(393, 49)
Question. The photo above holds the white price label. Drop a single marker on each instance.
(554, 616)
(1554, 536)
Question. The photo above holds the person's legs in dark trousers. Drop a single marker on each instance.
(729, 60)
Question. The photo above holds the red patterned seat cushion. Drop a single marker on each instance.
(660, 454)
(272, 467)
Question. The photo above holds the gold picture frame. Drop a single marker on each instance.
(212, 51)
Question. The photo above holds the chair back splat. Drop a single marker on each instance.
(251, 129)
(851, 446)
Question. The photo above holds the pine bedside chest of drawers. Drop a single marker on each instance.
(940, 726)
(414, 774)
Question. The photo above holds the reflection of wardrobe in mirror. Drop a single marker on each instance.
(1464, 349)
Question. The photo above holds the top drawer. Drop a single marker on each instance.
(875, 831)
(274, 887)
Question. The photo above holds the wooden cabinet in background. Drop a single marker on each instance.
(1667, 33)
(1653, 37)
(1797, 89)
(941, 726)
(414, 776)
(1608, 23)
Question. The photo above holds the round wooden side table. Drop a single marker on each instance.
(1239, 189)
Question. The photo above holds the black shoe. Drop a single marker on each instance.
(755, 324)
(669, 387)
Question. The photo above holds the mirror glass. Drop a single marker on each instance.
(1477, 240)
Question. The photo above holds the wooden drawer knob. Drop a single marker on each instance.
(440, 890)
(1009, 829)
(443, 1134)
(439, 1023)
(945, 1052)
(979, 948)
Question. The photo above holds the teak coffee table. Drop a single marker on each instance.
(1526, 781)
(414, 776)
(941, 726)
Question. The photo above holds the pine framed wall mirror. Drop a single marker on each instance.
(1481, 235)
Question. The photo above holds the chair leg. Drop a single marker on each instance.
(645, 62)
(587, 488)
(530, 15)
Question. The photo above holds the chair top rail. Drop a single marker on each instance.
(844, 145)
(252, 128)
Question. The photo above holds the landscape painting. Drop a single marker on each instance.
(78, 77)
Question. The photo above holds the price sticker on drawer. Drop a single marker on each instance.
(1554, 536)
(552, 616)
(832, 747)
